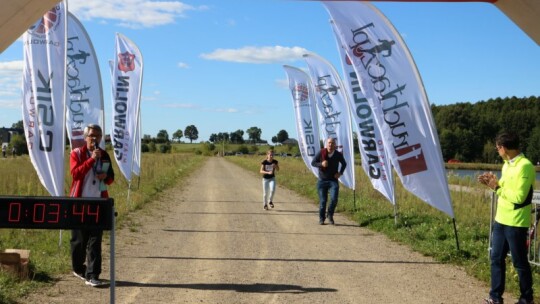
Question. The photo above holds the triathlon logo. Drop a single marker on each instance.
(332, 89)
(48, 22)
(411, 159)
(126, 62)
(348, 60)
(384, 48)
(301, 93)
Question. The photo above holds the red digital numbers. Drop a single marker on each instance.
(78, 210)
(14, 214)
(39, 213)
(84, 211)
(54, 211)
(95, 212)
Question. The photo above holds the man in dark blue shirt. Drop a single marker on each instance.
(328, 161)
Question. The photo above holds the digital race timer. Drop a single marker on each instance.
(56, 212)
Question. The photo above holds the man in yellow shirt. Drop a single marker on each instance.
(513, 218)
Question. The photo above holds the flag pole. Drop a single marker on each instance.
(129, 190)
(65, 102)
(354, 199)
(395, 210)
(455, 233)
(394, 200)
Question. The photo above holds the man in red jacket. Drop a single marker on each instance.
(91, 170)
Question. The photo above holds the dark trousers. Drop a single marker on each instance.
(324, 187)
(86, 248)
(513, 239)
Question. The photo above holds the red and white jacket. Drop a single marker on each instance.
(80, 163)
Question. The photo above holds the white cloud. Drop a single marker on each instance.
(132, 13)
(183, 65)
(181, 105)
(251, 54)
(197, 107)
(225, 110)
(11, 66)
(149, 98)
(282, 83)
(10, 84)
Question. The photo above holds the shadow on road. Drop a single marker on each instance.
(235, 201)
(290, 260)
(270, 232)
(262, 213)
(251, 288)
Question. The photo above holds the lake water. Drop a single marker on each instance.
(475, 173)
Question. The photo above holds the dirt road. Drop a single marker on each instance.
(211, 242)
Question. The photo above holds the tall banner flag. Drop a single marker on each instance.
(137, 153)
(83, 80)
(44, 92)
(126, 88)
(305, 114)
(375, 161)
(391, 84)
(334, 116)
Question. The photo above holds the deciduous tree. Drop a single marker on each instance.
(254, 134)
(282, 136)
(177, 135)
(191, 133)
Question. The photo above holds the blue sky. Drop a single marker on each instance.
(217, 64)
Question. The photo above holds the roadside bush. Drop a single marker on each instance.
(165, 148)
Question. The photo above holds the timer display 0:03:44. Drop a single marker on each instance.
(40, 212)
(53, 213)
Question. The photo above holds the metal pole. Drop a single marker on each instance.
(492, 216)
(395, 214)
(129, 190)
(394, 201)
(354, 199)
(112, 277)
(455, 232)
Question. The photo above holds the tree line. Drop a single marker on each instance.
(237, 137)
(467, 130)
(254, 137)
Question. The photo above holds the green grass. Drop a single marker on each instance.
(419, 226)
(49, 255)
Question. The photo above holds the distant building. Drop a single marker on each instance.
(6, 133)
(290, 142)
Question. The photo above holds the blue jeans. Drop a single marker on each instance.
(269, 187)
(513, 239)
(323, 187)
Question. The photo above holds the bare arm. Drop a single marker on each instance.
(262, 171)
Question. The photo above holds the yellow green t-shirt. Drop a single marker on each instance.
(515, 192)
